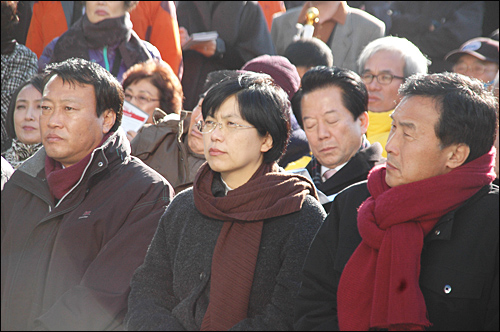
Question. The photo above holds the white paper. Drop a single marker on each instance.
(133, 117)
(199, 37)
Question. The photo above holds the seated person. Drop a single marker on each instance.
(174, 147)
(79, 215)
(103, 35)
(228, 251)
(23, 121)
(334, 112)
(415, 246)
(384, 64)
(476, 58)
(150, 85)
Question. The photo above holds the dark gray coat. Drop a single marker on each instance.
(171, 290)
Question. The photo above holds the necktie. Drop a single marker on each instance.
(329, 173)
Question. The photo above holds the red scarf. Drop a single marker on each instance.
(61, 180)
(267, 194)
(379, 287)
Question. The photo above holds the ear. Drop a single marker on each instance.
(458, 154)
(267, 143)
(364, 122)
(109, 118)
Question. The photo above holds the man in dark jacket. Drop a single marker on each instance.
(416, 245)
(334, 106)
(78, 216)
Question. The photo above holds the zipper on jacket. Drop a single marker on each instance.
(81, 178)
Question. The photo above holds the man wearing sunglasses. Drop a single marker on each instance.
(384, 64)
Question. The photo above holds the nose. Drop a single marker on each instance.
(391, 145)
(373, 85)
(217, 134)
(55, 119)
(323, 130)
(30, 114)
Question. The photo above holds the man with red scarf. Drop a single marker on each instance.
(78, 216)
(416, 245)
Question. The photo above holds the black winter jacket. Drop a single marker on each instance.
(460, 253)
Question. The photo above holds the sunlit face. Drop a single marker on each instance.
(26, 115)
(97, 11)
(238, 153)
(413, 149)
(334, 135)
(69, 124)
(473, 67)
(195, 137)
(383, 98)
(145, 95)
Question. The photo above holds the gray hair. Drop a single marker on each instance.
(415, 61)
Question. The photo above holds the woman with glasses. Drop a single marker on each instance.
(227, 253)
(150, 85)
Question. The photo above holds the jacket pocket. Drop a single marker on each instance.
(451, 283)
(454, 298)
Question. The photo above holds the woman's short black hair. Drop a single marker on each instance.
(261, 102)
(37, 82)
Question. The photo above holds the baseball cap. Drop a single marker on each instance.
(485, 49)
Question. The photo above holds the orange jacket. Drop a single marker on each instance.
(156, 22)
(269, 8)
(47, 22)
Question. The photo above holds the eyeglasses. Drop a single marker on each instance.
(141, 99)
(475, 69)
(382, 78)
(209, 126)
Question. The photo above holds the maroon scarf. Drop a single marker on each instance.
(379, 287)
(61, 180)
(267, 194)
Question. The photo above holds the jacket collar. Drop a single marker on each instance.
(116, 147)
(359, 164)
(444, 227)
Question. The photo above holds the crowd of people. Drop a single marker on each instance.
(301, 165)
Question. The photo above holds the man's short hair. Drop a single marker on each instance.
(261, 102)
(354, 92)
(415, 60)
(468, 112)
(310, 52)
(108, 91)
